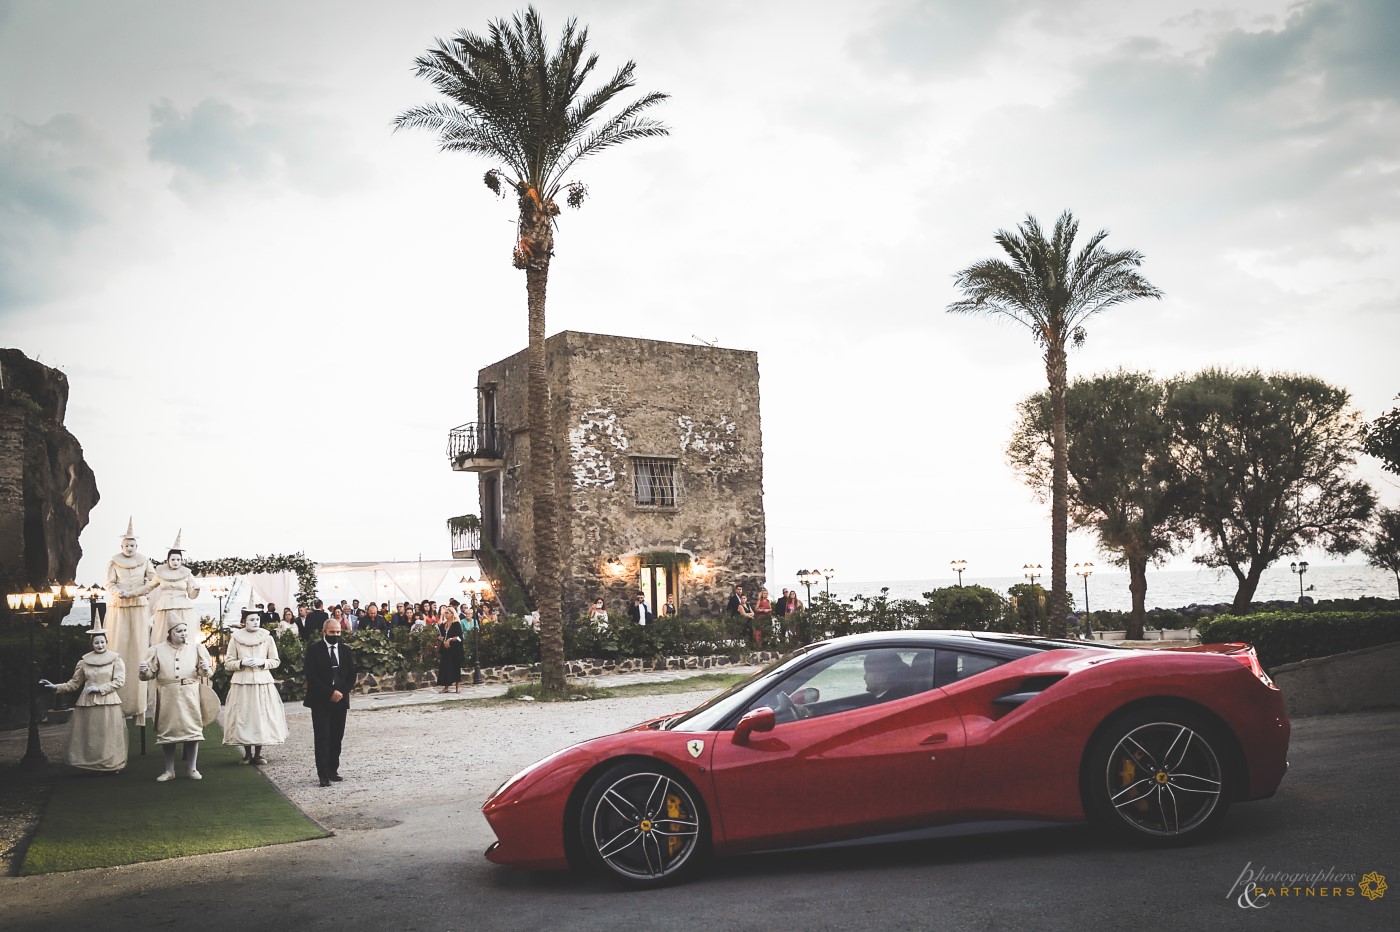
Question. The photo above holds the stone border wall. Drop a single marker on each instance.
(367, 684)
(1358, 679)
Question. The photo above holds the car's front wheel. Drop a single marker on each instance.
(642, 824)
(1159, 776)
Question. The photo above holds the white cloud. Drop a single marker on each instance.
(216, 229)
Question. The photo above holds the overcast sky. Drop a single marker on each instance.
(271, 308)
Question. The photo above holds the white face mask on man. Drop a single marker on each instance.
(253, 622)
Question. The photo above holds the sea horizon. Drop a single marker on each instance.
(1168, 589)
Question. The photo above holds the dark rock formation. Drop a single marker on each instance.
(46, 488)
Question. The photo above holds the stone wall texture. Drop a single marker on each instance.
(47, 489)
(614, 399)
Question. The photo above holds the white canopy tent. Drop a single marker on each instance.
(392, 582)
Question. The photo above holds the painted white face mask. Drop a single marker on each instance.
(128, 547)
(253, 622)
(99, 644)
(178, 634)
(175, 560)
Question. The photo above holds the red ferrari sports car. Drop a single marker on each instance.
(896, 735)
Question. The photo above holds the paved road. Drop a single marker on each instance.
(407, 857)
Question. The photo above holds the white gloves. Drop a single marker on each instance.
(254, 662)
(93, 690)
(47, 685)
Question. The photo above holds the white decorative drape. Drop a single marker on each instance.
(406, 581)
(279, 588)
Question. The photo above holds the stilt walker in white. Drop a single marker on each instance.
(174, 603)
(130, 578)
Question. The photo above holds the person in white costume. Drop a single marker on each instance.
(253, 713)
(176, 664)
(130, 577)
(175, 600)
(98, 740)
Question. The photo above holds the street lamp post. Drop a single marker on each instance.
(957, 566)
(827, 574)
(33, 603)
(1086, 570)
(1299, 568)
(808, 578)
(1034, 572)
(219, 591)
(92, 594)
(471, 586)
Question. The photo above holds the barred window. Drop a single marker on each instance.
(654, 481)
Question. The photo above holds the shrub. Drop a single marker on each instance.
(53, 663)
(509, 640)
(964, 608)
(1285, 637)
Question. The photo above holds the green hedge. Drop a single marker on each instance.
(1285, 637)
(402, 652)
(664, 637)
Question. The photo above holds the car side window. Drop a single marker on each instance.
(849, 681)
(954, 665)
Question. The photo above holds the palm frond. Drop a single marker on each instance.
(1046, 285)
(512, 98)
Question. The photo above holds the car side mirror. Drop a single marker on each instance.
(760, 719)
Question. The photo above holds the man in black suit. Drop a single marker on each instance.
(640, 611)
(330, 675)
(315, 621)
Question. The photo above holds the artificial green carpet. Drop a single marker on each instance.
(96, 820)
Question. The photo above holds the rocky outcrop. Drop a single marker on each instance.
(47, 489)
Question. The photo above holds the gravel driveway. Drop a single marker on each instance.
(400, 760)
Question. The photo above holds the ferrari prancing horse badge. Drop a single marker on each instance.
(695, 747)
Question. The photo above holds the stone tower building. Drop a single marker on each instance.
(660, 480)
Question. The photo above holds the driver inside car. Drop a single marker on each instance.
(887, 676)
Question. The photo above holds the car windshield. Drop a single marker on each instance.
(708, 715)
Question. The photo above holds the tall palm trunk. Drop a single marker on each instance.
(1056, 375)
(533, 251)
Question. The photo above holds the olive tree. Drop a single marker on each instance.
(1268, 458)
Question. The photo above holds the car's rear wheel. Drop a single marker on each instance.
(642, 825)
(1160, 776)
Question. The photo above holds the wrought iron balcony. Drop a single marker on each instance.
(466, 536)
(476, 447)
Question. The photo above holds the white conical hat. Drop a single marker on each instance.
(176, 545)
(130, 534)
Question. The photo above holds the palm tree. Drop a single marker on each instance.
(521, 105)
(1051, 290)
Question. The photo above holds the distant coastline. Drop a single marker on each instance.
(1108, 586)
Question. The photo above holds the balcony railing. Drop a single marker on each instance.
(476, 440)
(466, 535)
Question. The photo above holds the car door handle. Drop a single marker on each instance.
(939, 738)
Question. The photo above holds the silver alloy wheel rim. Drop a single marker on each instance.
(645, 826)
(1163, 778)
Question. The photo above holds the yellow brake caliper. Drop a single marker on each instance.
(1126, 774)
(673, 809)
